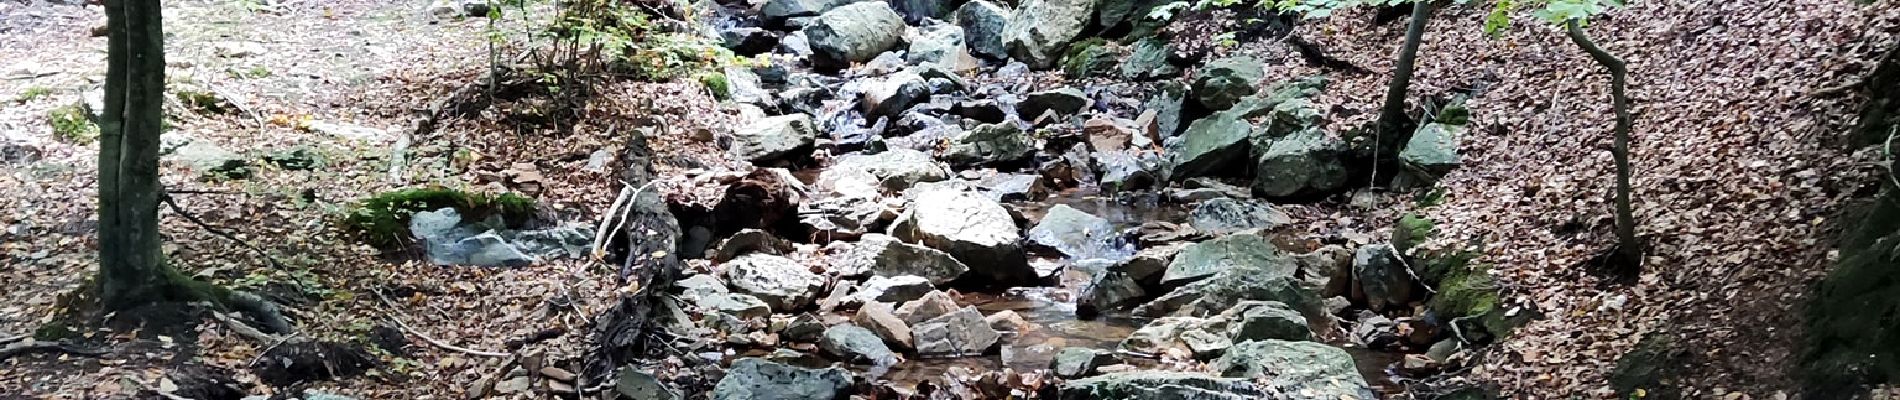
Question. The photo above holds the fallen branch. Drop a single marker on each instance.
(46, 347)
(406, 329)
(180, 210)
(245, 330)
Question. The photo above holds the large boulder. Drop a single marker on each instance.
(776, 12)
(975, 230)
(1168, 100)
(1305, 163)
(1161, 385)
(932, 305)
(1223, 82)
(1246, 251)
(1079, 362)
(1168, 333)
(883, 321)
(1226, 215)
(1148, 59)
(990, 143)
(758, 379)
(1228, 288)
(1211, 146)
(853, 33)
(846, 201)
(1075, 233)
(883, 255)
(896, 168)
(939, 45)
(784, 284)
(1307, 370)
(773, 138)
(1432, 152)
(893, 288)
(962, 332)
(1109, 290)
(1262, 320)
(890, 96)
(1041, 29)
(983, 23)
(1090, 58)
(1382, 275)
(854, 344)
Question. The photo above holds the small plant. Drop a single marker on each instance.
(254, 72)
(69, 122)
(206, 102)
(383, 220)
(33, 93)
(715, 82)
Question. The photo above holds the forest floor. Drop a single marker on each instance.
(1739, 206)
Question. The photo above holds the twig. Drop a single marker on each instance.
(180, 210)
(267, 349)
(245, 330)
(1888, 148)
(1414, 274)
(44, 347)
(433, 341)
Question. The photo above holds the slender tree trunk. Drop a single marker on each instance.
(1392, 119)
(1631, 250)
(132, 270)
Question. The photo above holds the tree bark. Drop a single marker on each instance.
(132, 271)
(1630, 249)
(1392, 119)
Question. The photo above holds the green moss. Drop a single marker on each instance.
(716, 82)
(383, 220)
(32, 93)
(70, 122)
(1412, 229)
(1454, 114)
(1852, 338)
(55, 331)
(1089, 57)
(205, 102)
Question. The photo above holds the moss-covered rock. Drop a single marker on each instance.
(1091, 57)
(383, 219)
(1412, 230)
(1648, 371)
(1852, 336)
(716, 83)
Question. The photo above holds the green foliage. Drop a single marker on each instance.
(626, 37)
(715, 82)
(32, 93)
(383, 219)
(1555, 12)
(205, 102)
(254, 72)
(70, 122)
(1412, 229)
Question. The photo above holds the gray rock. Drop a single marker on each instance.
(1227, 215)
(757, 379)
(776, 12)
(1128, 170)
(1382, 275)
(1168, 99)
(893, 288)
(1374, 331)
(989, 143)
(883, 255)
(1211, 146)
(983, 23)
(1158, 385)
(932, 305)
(1108, 290)
(1261, 320)
(738, 305)
(1225, 289)
(1432, 152)
(853, 33)
(1305, 163)
(894, 94)
(1304, 370)
(854, 344)
(781, 282)
(212, 161)
(1075, 233)
(918, 11)
(962, 332)
(773, 138)
(896, 168)
(1223, 82)
(975, 230)
(1091, 58)
(1062, 101)
(939, 45)
(747, 40)
(635, 384)
(795, 44)
(1326, 271)
(1238, 251)
(805, 328)
(701, 285)
(448, 243)
(1080, 362)
(745, 87)
(1014, 187)
(1038, 32)
(1162, 334)
(1207, 342)
(880, 319)
(750, 241)
(1148, 59)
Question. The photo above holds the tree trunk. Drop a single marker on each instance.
(132, 271)
(1392, 120)
(1629, 249)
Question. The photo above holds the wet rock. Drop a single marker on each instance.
(449, 243)
(748, 40)
(1014, 187)
(880, 319)
(758, 379)
(1106, 291)
(776, 12)
(1305, 163)
(784, 284)
(961, 332)
(1161, 385)
(1211, 146)
(1431, 153)
(894, 94)
(1374, 331)
(773, 139)
(1079, 362)
(883, 255)
(1165, 333)
(989, 143)
(1063, 101)
(846, 201)
(1223, 82)
(1229, 287)
(1382, 276)
(854, 344)
(1008, 321)
(1326, 271)
(983, 23)
(750, 241)
(932, 305)
(941, 46)
(806, 328)
(853, 33)
(1314, 370)
(1128, 170)
(794, 44)
(1206, 342)
(1075, 233)
(896, 168)
(1222, 216)
(1239, 251)
(1041, 29)
(1261, 320)
(1147, 60)
(976, 231)
(893, 288)
(1167, 102)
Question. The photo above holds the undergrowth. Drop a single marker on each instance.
(69, 122)
(383, 219)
